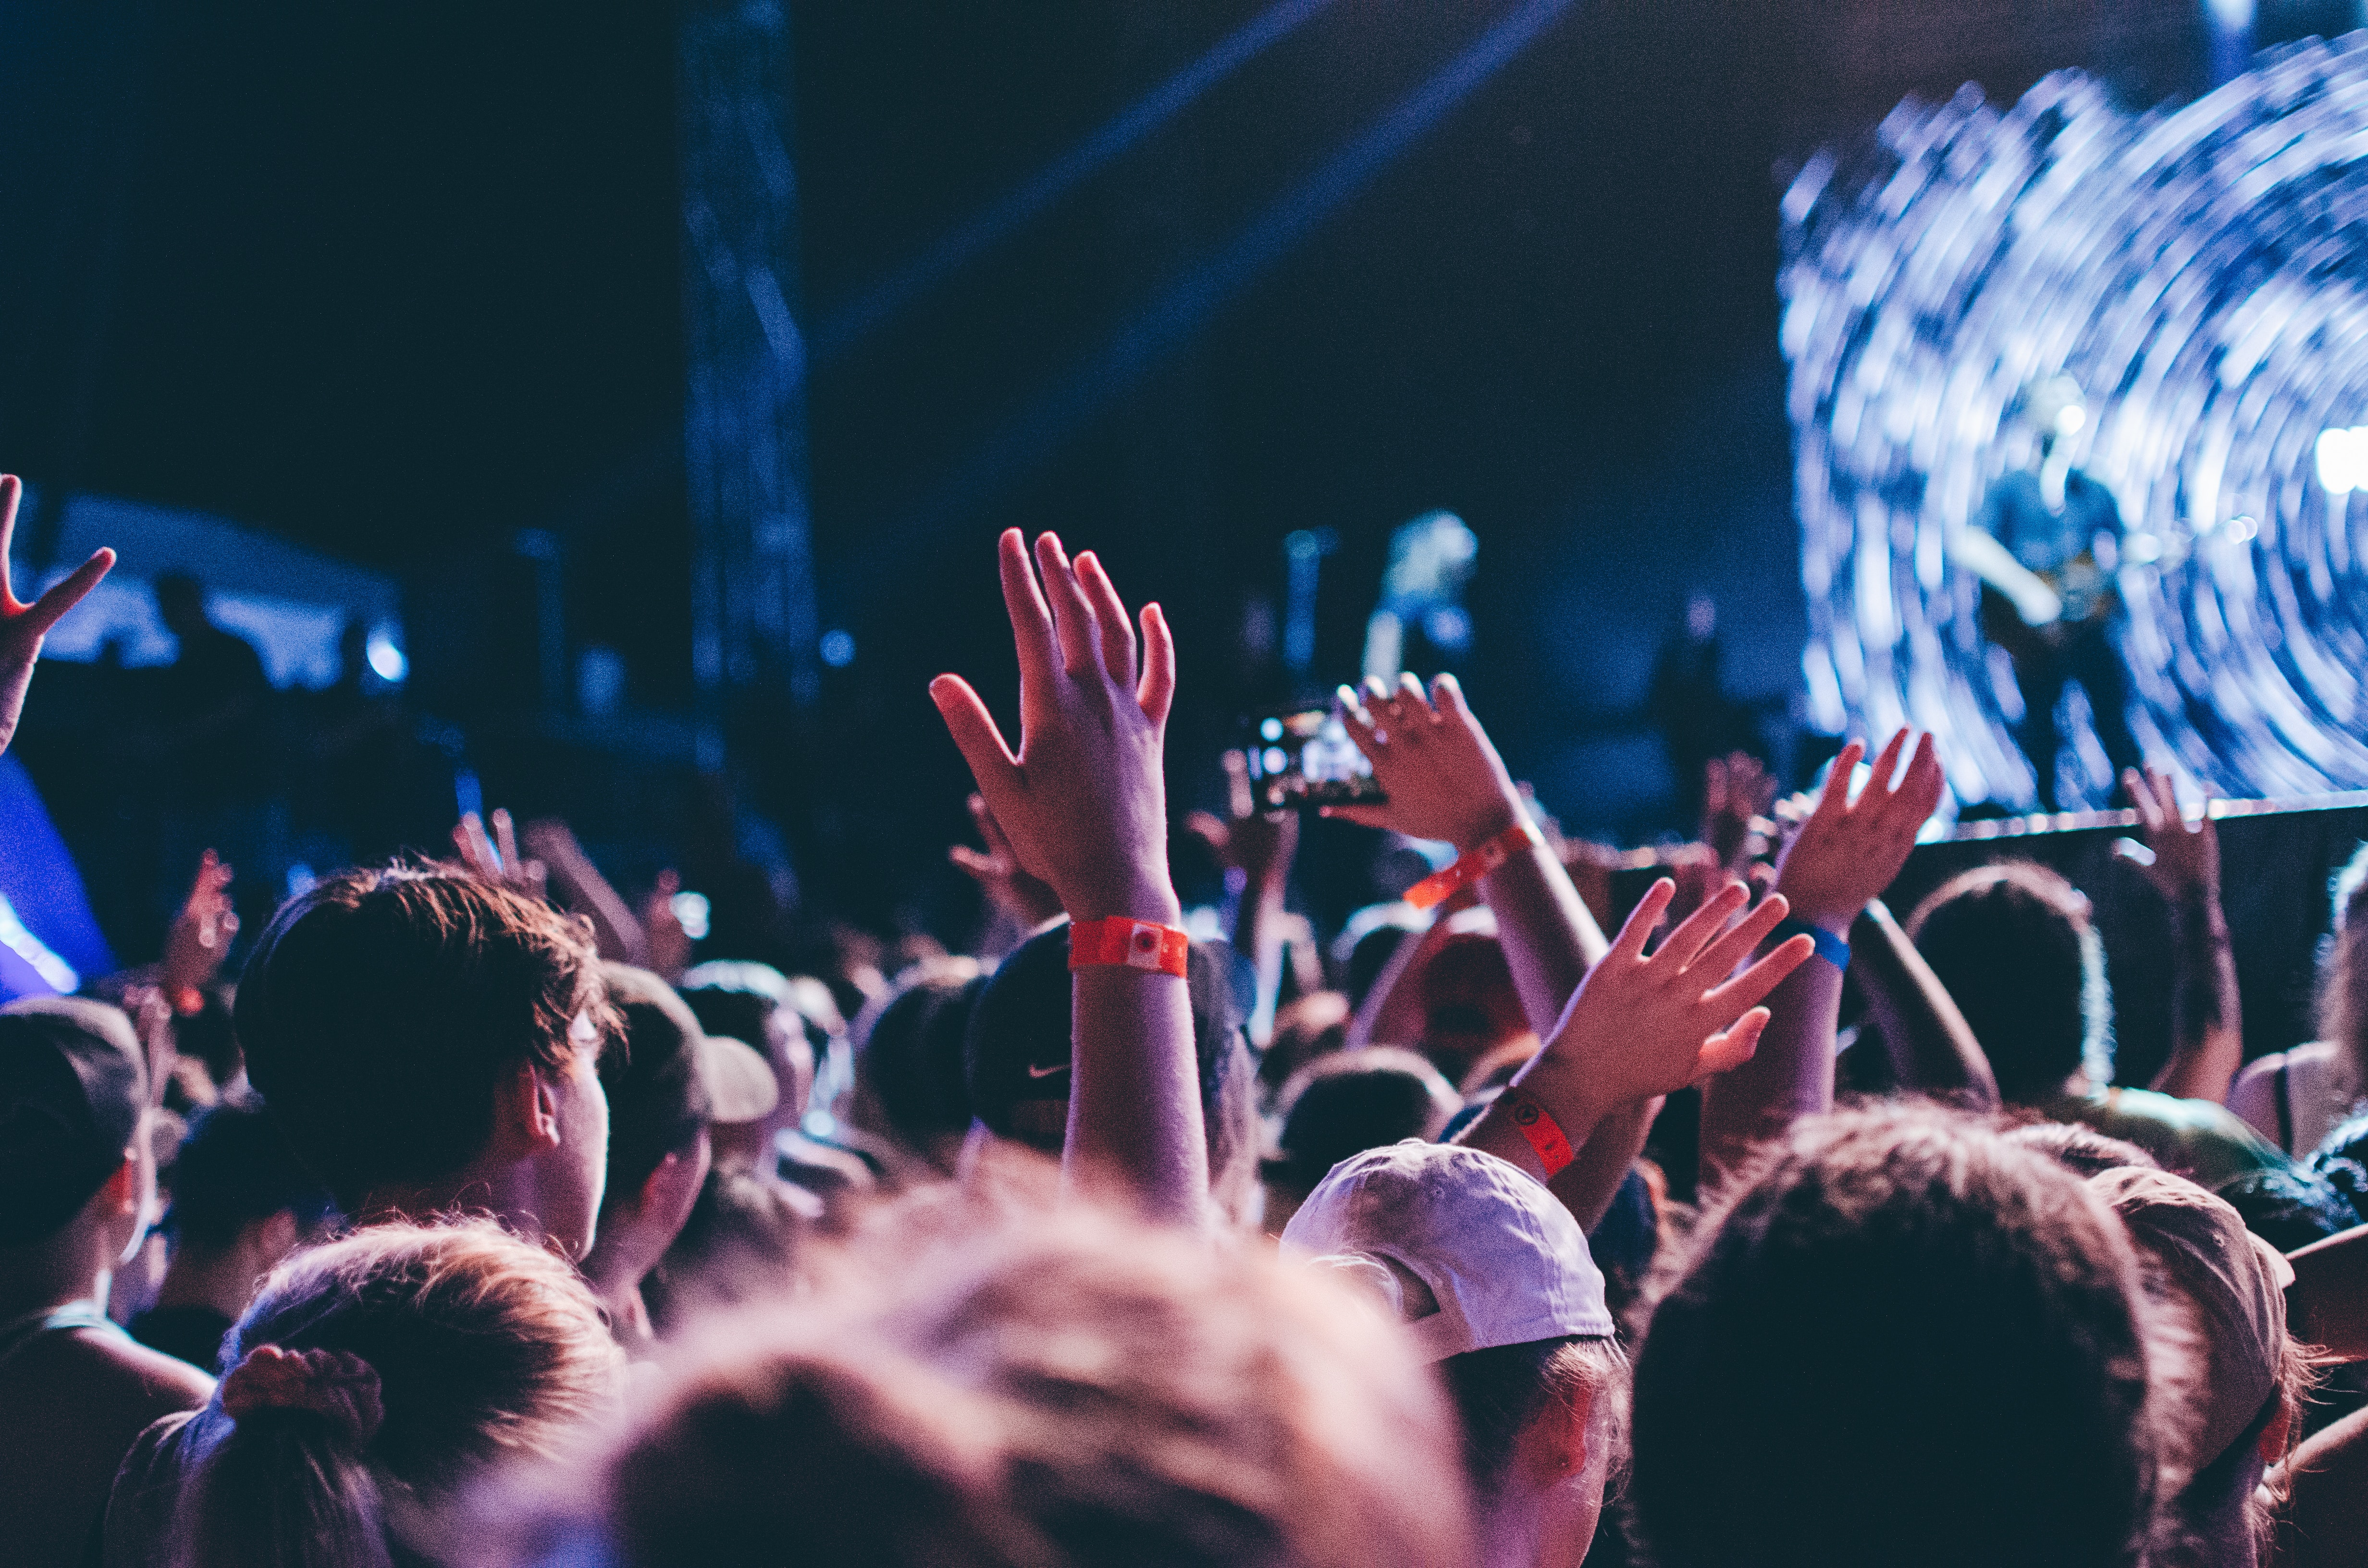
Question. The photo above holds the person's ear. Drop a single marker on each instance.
(124, 1192)
(2273, 1439)
(1554, 1447)
(526, 1114)
(274, 1235)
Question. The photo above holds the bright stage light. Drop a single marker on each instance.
(386, 660)
(2201, 275)
(2338, 454)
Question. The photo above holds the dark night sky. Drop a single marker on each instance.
(396, 281)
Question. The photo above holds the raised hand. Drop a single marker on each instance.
(1736, 789)
(22, 625)
(1082, 802)
(1027, 900)
(666, 946)
(1441, 771)
(1643, 1025)
(2186, 856)
(496, 858)
(1849, 851)
(201, 934)
(2206, 1020)
(1647, 1025)
(1258, 845)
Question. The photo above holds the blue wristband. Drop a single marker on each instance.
(1830, 947)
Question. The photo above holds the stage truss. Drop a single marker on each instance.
(2202, 273)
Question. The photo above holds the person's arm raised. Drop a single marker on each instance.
(1257, 848)
(1846, 853)
(2207, 1025)
(1083, 805)
(1446, 782)
(22, 625)
(1932, 1048)
(1643, 1026)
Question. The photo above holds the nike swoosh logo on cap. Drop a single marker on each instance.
(1036, 1072)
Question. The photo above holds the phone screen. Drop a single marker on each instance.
(1302, 760)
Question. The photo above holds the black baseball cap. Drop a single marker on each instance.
(1015, 1047)
(73, 1086)
(665, 1078)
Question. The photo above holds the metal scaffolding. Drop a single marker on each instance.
(744, 427)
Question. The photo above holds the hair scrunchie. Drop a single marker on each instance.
(337, 1385)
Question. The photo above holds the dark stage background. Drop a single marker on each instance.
(406, 285)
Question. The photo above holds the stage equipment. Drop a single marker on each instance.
(754, 620)
(2201, 273)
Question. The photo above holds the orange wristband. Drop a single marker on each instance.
(1129, 944)
(1473, 864)
(1544, 1133)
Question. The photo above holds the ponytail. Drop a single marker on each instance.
(290, 1485)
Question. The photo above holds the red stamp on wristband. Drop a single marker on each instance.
(1120, 943)
(1543, 1133)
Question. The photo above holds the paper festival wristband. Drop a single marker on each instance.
(1473, 864)
(1830, 947)
(1544, 1133)
(1122, 943)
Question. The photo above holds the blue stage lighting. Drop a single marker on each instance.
(2198, 278)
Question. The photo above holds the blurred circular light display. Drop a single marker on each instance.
(2201, 275)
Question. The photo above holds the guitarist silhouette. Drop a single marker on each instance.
(2045, 545)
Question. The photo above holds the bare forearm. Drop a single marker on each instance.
(1134, 1093)
(1549, 938)
(2327, 1304)
(2207, 1029)
(1592, 1180)
(1564, 1094)
(1258, 936)
(1931, 1046)
(1791, 1076)
(616, 930)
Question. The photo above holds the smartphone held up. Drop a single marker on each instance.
(1305, 760)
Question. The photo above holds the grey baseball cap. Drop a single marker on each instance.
(1468, 1251)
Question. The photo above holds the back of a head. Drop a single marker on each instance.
(2013, 946)
(74, 1088)
(462, 1347)
(1053, 1386)
(1345, 1104)
(234, 1167)
(382, 1007)
(650, 1071)
(1899, 1339)
(1016, 1050)
(909, 1052)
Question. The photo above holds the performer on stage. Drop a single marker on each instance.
(2045, 545)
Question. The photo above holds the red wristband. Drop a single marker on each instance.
(1129, 944)
(1542, 1130)
(1473, 864)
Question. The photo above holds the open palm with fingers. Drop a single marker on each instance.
(1083, 801)
(22, 625)
(1850, 850)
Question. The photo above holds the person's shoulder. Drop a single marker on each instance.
(116, 1373)
(147, 1491)
(2194, 1120)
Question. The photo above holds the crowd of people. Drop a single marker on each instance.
(473, 1220)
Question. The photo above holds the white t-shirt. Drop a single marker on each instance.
(2297, 1098)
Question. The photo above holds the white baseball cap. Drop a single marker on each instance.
(1468, 1251)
